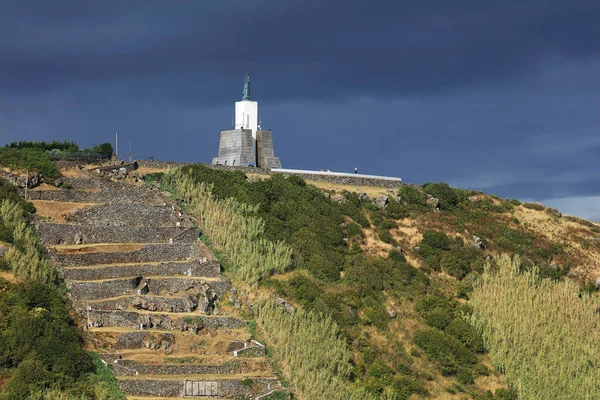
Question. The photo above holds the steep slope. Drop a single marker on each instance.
(395, 272)
(150, 296)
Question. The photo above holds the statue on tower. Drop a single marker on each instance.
(246, 93)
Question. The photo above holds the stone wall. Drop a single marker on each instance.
(162, 164)
(265, 152)
(209, 269)
(148, 253)
(118, 214)
(133, 319)
(130, 367)
(342, 180)
(226, 388)
(236, 147)
(94, 290)
(52, 234)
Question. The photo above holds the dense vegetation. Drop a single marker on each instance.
(549, 347)
(232, 226)
(331, 276)
(64, 149)
(41, 350)
(31, 159)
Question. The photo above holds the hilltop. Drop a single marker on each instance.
(379, 288)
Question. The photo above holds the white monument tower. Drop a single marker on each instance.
(247, 144)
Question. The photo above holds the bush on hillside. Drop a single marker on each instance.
(534, 206)
(28, 159)
(412, 195)
(39, 339)
(450, 353)
(449, 197)
(436, 240)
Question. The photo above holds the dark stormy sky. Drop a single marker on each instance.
(502, 96)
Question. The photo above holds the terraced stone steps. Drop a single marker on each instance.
(125, 367)
(204, 343)
(150, 252)
(246, 388)
(207, 269)
(150, 294)
(125, 215)
(53, 234)
(142, 285)
(192, 322)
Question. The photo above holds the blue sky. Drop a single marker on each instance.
(501, 96)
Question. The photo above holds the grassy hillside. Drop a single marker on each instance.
(394, 282)
(41, 350)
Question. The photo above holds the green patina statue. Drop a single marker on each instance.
(246, 93)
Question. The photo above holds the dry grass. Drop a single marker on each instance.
(150, 170)
(44, 187)
(9, 276)
(73, 173)
(371, 191)
(97, 248)
(572, 234)
(57, 211)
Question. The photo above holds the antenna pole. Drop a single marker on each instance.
(117, 144)
(129, 151)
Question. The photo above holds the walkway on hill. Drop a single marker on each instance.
(149, 293)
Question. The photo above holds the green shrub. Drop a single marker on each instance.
(396, 255)
(515, 202)
(534, 206)
(467, 335)
(387, 224)
(449, 197)
(355, 231)
(67, 186)
(451, 354)
(438, 318)
(29, 208)
(396, 210)
(412, 195)
(461, 260)
(28, 159)
(386, 237)
(465, 377)
(436, 239)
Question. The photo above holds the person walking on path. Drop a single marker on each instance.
(355, 170)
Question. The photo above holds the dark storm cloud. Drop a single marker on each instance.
(310, 49)
(501, 96)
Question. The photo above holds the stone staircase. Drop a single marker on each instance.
(151, 295)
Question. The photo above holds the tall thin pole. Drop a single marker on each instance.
(129, 151)
(117, 144)
(26, 183)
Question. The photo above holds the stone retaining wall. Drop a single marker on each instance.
(226, 388)
(161, 164)
(111, 194)
(130, 367)
(151, 303)
(117, 214)
(94, 290)
(139, 339)
(209, 269)
(52, 234)
(148, 253)
(133, 319)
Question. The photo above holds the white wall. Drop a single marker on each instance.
(246, 116)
